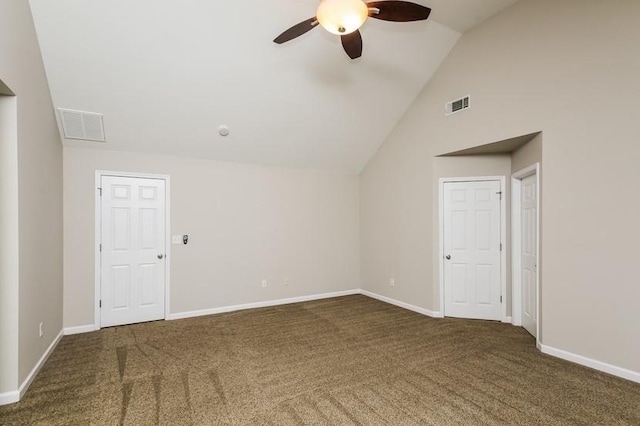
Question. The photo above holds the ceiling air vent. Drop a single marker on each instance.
(82, 125)
(457, 105)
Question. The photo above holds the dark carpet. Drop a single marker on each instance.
(349, 360)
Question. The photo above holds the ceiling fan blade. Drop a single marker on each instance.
(297, 30)
(352, 44)
(399, 11)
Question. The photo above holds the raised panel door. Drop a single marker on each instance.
(132, 279)
(471, 231)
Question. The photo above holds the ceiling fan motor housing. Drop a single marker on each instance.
(342, 17)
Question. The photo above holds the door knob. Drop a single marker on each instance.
(448, 257)
(160, 256)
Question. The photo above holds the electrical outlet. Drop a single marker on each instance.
(392, 282)
(286, 282)
(40, 331)
(264, 283)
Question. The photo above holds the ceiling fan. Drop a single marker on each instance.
(344, 17)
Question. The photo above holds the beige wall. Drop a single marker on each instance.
(569, 69)
(527, 155)
(245, 223)
(39, 186)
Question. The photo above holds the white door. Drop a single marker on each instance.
(472, 283)
(133, 250)
(529, 250)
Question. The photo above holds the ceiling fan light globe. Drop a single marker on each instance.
(342, 17)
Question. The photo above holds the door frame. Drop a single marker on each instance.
(98, 235)
(503, 234)
(516, 244)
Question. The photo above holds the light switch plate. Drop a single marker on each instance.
(176, 239)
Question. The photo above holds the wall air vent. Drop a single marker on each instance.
(457, 105)
(82, 125)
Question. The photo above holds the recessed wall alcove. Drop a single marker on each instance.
(499, 158)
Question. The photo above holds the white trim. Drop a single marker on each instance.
(167, 244)
(34, 371)
(516, 243)
(97, 265)
(15, 396)
(503, 244)
(634, 376)
(526, 172)
(503, 234)
(211, 311)
(68, 331)
(167, 250)
(507, 320)
(9, 397)
(423, 311)
(232, 308)
(516, 249)
(441, 243)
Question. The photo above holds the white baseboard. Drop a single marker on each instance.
(14, 396)
(9, 397)
(68, 331)
(507, 320)
(34, 371)
(423, 311)
(211, 311)
(634, 376)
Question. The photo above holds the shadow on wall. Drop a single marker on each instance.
(509, 146)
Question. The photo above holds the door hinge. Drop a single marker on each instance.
(101, 247)
(100, 189)
(500, 194)
(100, 304)
(500, 299)
(500, 246)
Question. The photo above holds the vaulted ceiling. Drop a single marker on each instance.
(167, 74)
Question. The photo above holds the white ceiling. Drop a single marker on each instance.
(167, 75)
